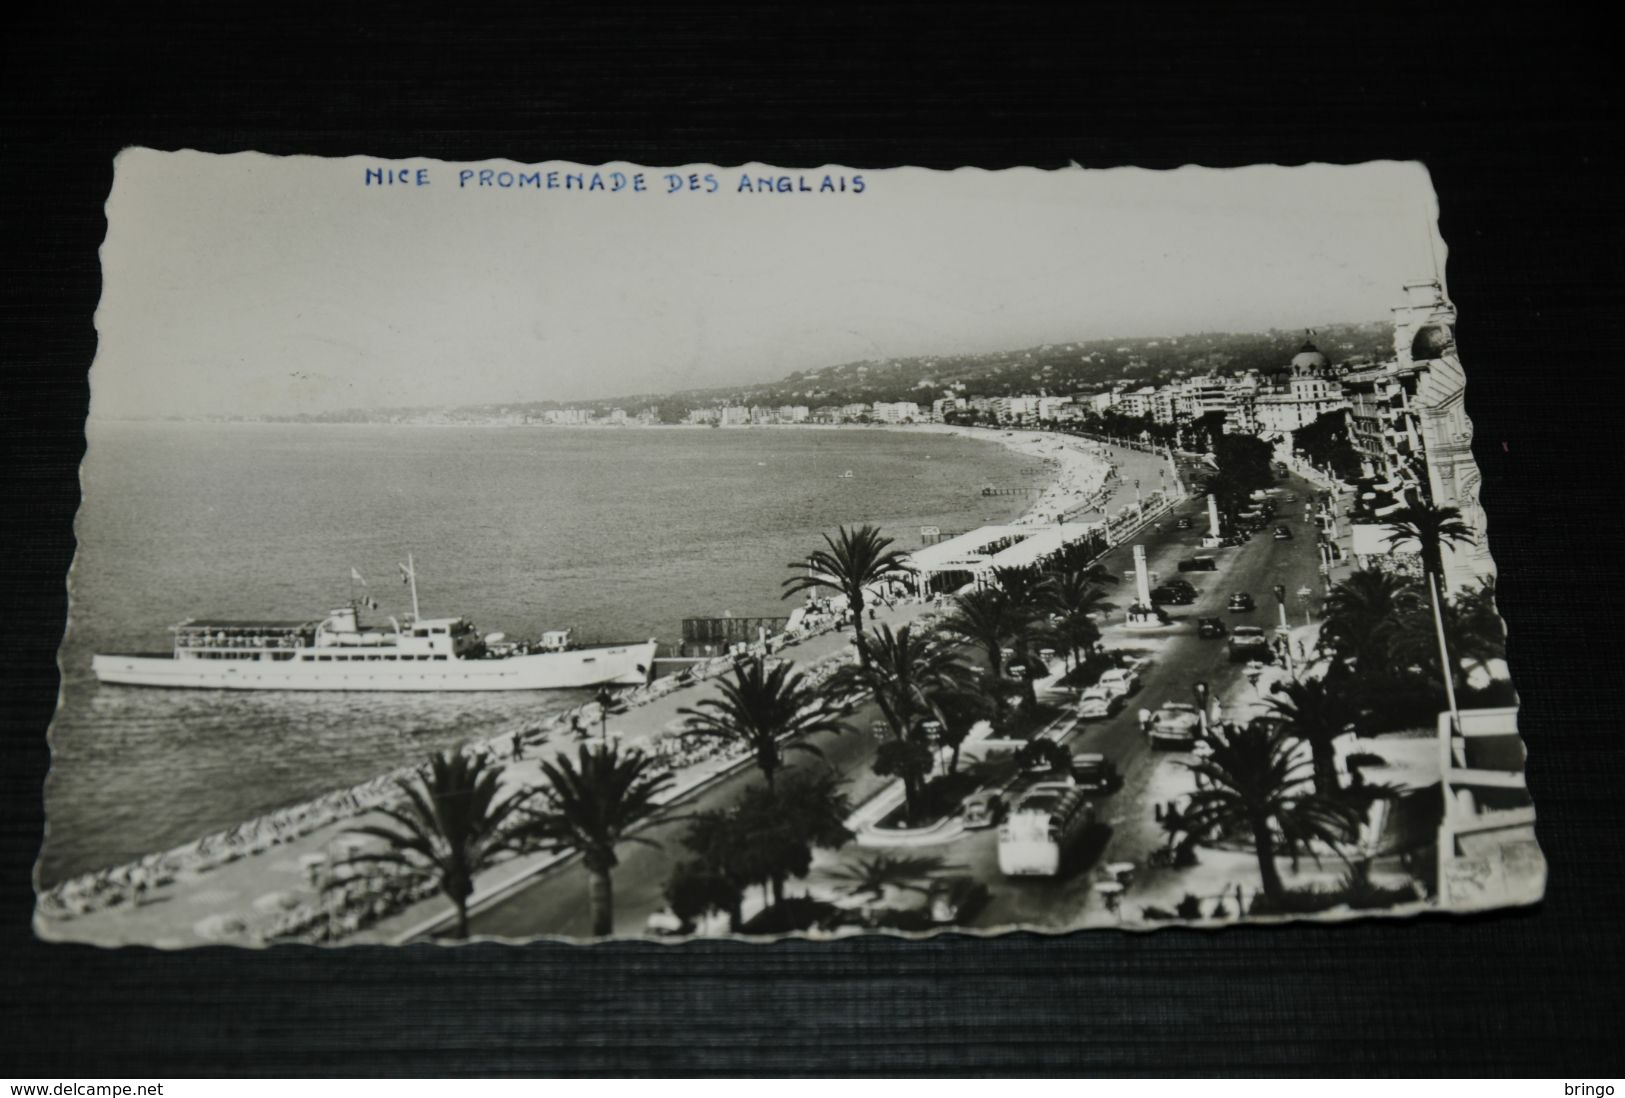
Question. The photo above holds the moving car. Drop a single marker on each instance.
(982, 809)
(1172, 596)
(1098, 702)
(1241, 602)
(1248, 642)
(1210, 628)
(1175, 725)
(1094, 772)
(1183, 524)
(1199, 564)
(1283, 534)
(1121, 681)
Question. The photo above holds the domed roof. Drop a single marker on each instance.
(1308, 358)
(1433, 341)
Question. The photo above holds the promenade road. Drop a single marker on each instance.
(1178, 658)
(555, 902)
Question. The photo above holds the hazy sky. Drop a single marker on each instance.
(252, 284)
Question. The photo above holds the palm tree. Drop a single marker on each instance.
(768, 712)
(1472, 631)
(1073, 598)
(1028, 592)
(1316, 712)
(452, 826)
(1251, 784)
(853, 561)
(591, 805)
(959, 711)
(1360, 616)
(908, 676)
(726, 862)
(784, 827)
(818, 809)
(987, 620)
(1432, 528)
(873, 875)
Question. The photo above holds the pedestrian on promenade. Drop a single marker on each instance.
(1145, 720)
(518, 747)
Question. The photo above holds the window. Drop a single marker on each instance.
(440, 657)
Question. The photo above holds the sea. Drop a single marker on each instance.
(617, 534)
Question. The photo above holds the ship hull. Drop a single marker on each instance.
(612, 665)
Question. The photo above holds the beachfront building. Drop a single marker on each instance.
(1098, 403)
(567, 416)
(735, 415)
(1425, 335)
(1408, 423)
(1296, 399)
(943, 405)
(900, 411)
(1139, 403)
(1050, 407)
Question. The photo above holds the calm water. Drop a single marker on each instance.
(618, 534)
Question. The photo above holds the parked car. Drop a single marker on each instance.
(982, 809)
(1172, 596)
(1094, 772)
(1199, 564)
(1175, 725)
(1241, 603)
(1210, 628)
(1121, 681)
(1098, 702)
(1249, 642)
(1282, 533)
(1290, 498)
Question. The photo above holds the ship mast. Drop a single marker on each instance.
(412, 578)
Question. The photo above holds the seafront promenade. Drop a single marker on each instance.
(246, 892)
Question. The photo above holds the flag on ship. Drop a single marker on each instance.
(355, 574)
(406, 574)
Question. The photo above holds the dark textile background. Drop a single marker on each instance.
(1511, 109)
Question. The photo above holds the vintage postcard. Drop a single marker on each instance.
(516, 551)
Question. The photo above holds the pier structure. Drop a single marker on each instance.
(710, 637)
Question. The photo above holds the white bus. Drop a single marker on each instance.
(1041, 827)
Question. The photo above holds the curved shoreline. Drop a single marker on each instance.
(1079, 471)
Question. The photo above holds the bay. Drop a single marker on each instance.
(616, 533)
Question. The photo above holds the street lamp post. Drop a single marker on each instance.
(604, 700)
(1286, 638)
(1200, 690)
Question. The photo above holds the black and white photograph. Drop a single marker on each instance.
(476, 551)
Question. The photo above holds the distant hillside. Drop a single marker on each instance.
(1053, 368)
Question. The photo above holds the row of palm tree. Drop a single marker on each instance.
(454, 824)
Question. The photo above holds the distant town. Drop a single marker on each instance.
(1165, 379)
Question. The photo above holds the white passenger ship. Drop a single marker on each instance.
(339, 652)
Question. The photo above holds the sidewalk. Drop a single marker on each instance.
(217, 903)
